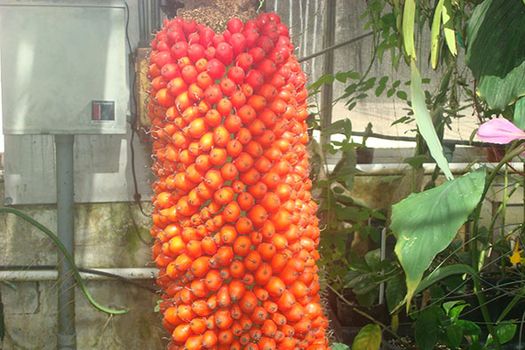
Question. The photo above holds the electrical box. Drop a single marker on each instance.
(63, 67)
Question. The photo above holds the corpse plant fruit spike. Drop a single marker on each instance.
(234, 223)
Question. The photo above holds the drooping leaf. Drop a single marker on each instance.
(496, 51)
(368, 338)
(424, 122)
(519, 113)
(448, 27)
(409, 16)
(506, 332)
(339, 346)
(425, 223)
(434, 34)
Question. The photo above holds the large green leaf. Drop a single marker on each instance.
(425, 223)
(368, 338)
(496, 51)
(424, 122)
(409, 17)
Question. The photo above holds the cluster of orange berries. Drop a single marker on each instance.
(235, 225)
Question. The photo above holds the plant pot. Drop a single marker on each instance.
(364, 155)
(495, 153)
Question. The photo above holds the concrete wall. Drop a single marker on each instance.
(107, 235)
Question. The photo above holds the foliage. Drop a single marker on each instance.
(431, 262)
(496, 53)
(368, 338)
(425, 223)
(444, 325)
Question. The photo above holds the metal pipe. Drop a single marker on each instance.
(65, 230)
(334, 47)
(52, 275)
(401, 168)
(142, 24)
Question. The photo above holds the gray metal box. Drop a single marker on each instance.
(63, 67)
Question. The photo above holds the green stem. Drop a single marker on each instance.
(511, 305)
(513, 152)
(67, 256)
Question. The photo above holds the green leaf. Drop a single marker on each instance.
(426, 328)
(325, 79)
(395, 292)
(496, 51)
(425, 223)
(373, 259)
(434, 35)
(339, 346)
(455, 310)
(424, 122)
(402, 95)
(454, 335)
(368, 338)
(450, 304)
(519, 113)
(448, 27)
(442, 273)
(344, 76)
(506, 332)
(341, 126)
(409, 16)
(469, 327)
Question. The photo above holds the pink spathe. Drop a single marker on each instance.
(500, 131)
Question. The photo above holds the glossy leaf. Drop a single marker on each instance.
(368, 338)
(424, 122)
(434, 34)
(409, 16)
(506, 332)
(425, 223)
(339, 346)
(496, 51)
